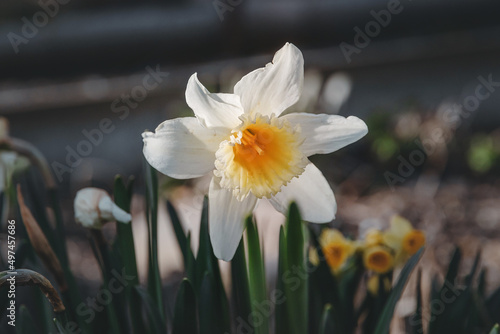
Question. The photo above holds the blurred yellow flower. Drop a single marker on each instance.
(313, 256)
(373, 284)
(378, 258)
(335, 248)
(403, 238)
(374, 237)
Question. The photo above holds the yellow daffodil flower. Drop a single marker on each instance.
(335, 248)
(378, 259)
(313, 256)
(373, 237)
(252, 152)
(403, 238)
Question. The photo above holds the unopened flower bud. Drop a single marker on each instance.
(94, 207)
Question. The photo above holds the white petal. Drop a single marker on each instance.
(227, 219)
(313, 195)
(327, 133)
(213, 110)
(272, 89)
(182, 148)
(110, 211)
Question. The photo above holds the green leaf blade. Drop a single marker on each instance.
(256, 277)
(388, 311)
(185, 310)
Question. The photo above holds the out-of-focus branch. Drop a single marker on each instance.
(26, 277)
(40, 243)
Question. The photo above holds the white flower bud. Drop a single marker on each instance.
(94, 207)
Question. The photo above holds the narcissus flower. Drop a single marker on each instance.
(373, 237)
(335, 248)
(403, 238)
(378, 258)
(252, 151)
(94, 207)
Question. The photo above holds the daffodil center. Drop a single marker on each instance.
(378, 259)
(335, 255)
(260, 156)
(413, 241)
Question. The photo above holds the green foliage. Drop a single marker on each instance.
(204, 276)
(458, 305)
(388, 310)
(241, 285)
(154, 279)
(309, 297)
(26, 325)
(257, 278)
(185, 310)
(294, 272)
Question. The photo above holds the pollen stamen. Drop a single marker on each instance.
(261, 156)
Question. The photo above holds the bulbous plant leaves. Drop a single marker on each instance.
(257, 278)
(459, 312)
(473, 310)
(185, 310)
(184, 244)
(204, 260)
(25, 323)
(179, 232)
(469, 278)
(190, 265)
(124, 249)
(59, 326)
(348, 284)
(104, 258)
(125, 239)
(327, 326)
(415, 320)
(376, 304)
(210, 320)
(207, 262)
(451, 274)
(493, 305)
(240, 286)
(296, 294)
(328, 288)
(156, 322)
(388, 311)
(281, 314)
(154, 279)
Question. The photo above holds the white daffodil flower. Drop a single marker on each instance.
(94, 207)
(253, 152)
